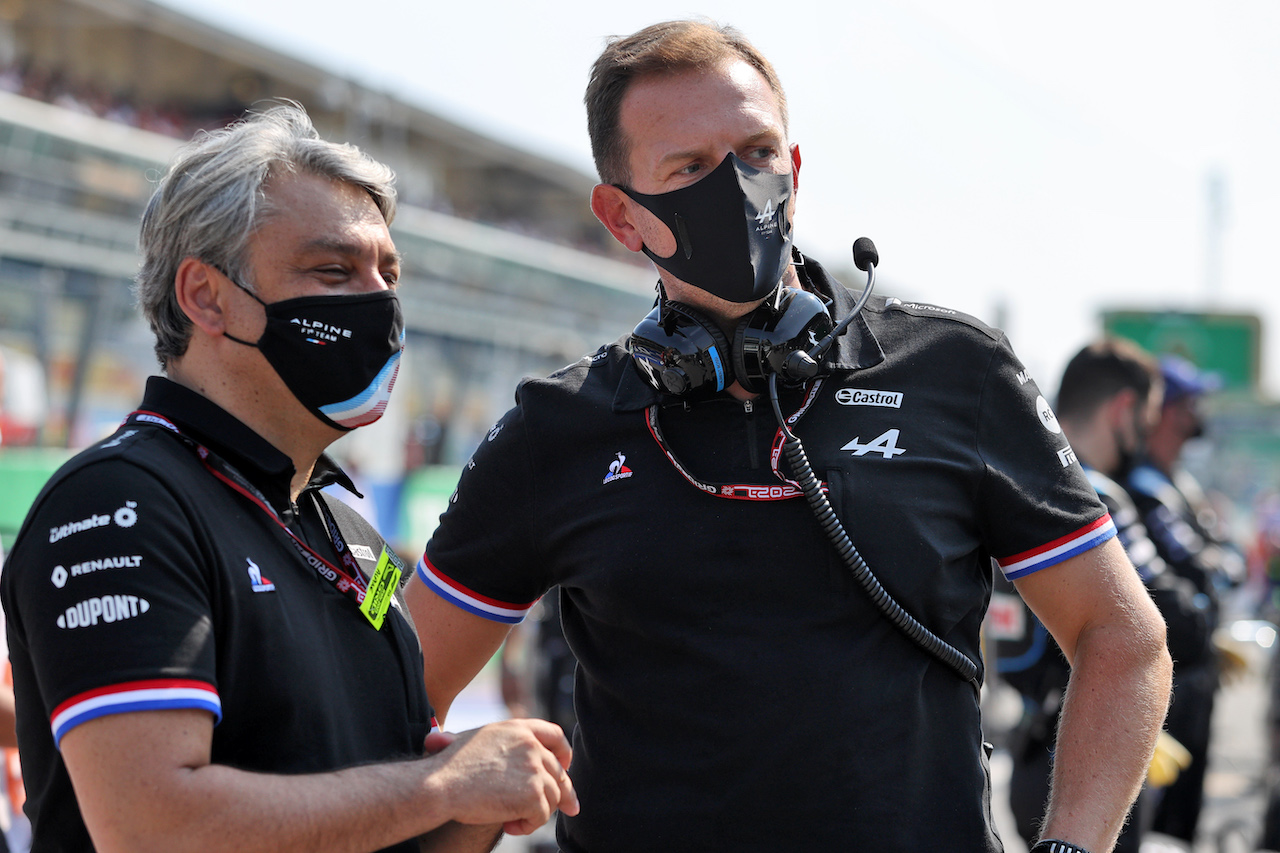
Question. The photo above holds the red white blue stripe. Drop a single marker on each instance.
(1028, 562)
(367, 406)
(469, 600)
(151, 695)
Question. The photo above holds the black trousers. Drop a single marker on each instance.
(1189, 722)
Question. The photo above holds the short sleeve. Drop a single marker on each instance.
(1038, 507)
(483, 556)
(105, 594)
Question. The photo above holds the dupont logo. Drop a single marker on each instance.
(864, 397)
(106, 608)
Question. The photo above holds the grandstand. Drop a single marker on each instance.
(506, 271)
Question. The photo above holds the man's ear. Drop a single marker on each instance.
(795, 167)
(1120, 405)
(201, 295)
(609, 204)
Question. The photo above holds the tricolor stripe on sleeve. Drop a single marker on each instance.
(1058, 550)
(152, 695)
(472, 602)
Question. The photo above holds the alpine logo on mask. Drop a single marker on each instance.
(344, 363)
(765, 223)
(733, 238)
(320, 333)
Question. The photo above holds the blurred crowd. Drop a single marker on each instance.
(54, 86)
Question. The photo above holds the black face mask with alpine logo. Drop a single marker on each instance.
(733, 237)
(339, 355)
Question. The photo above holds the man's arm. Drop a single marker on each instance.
(144, 782)
(1095, 606)
(455, 644)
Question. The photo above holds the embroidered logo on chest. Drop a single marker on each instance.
(618, 470)
(256, 581)
(886, 444)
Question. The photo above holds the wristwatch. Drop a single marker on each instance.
(1055, 845)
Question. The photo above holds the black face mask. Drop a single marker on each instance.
(1129, 457)
(733, 237)
(339, 355)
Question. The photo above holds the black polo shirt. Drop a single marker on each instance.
(735, 689)
(140, 581)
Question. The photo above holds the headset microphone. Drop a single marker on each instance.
(801, 365)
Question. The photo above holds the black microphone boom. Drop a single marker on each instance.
(865, 257)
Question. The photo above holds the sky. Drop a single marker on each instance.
(1031, 164)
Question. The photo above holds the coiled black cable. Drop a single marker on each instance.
(880, 597)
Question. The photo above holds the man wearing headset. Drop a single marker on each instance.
(736, 689)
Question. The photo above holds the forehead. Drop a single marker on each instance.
(304, 209)
(688, 109)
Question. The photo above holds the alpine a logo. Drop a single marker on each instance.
(867, 397)
(125, 516)
(765, 219)
(618, 470)
(886, 444)
(105, 608)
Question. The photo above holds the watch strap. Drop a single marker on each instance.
(1055, 845)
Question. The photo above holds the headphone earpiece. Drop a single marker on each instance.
(682, 352)
(776, 338)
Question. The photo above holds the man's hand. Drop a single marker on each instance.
(515, 767)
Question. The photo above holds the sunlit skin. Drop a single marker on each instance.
(330, 239)
(679, 128)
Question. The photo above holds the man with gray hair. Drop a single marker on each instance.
(208, 652)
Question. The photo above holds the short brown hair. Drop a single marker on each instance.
(1103, 369)
(666, 48)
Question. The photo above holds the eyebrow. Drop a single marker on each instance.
(327, 244)
(694, 153)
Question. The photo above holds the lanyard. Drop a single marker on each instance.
(346, 580)
(788, 488)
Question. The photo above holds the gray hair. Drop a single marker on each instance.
(213, 198)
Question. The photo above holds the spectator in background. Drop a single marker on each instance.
(1186, 533)
(1108, 401)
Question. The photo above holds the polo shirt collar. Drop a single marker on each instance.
(268, 468)
(856, 349)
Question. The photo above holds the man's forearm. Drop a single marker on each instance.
(142, 784)
(460, 838)
(1114, 708)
